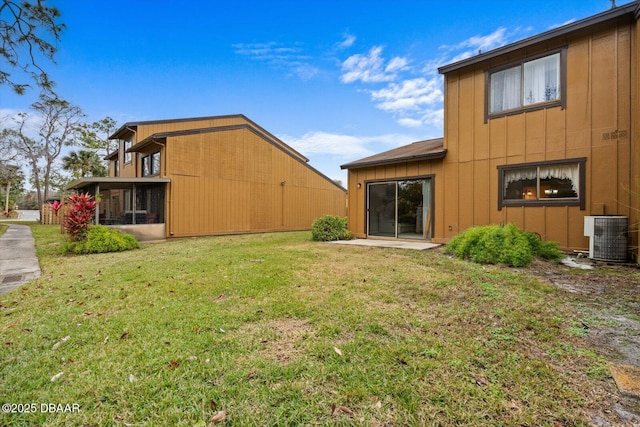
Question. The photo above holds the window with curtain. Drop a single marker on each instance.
(505, 89)
(526, 84)
(542, 80)
(545, 183)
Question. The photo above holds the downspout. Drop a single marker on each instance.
(634, 136)
(631, 142)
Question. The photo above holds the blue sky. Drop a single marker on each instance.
(337, 80)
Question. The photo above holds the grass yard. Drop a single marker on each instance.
(274, 329)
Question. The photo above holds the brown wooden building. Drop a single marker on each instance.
(541, 133)
(208, 176)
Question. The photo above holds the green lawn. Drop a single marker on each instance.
(275, 329)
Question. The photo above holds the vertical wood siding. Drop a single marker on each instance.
(357, 196)
(602, 72)
(231, 182)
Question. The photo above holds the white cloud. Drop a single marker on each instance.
(10, 117)
(476, 44)
(416, 101)
(429, 117)
(370, 68)
(396, 64)
(433, 117)
(347, 42)
(410, 123)
(304, 71)
(346, 146)
(563, 24)
(291, 58)
(409, 95)
(269, 51)
(488, 42)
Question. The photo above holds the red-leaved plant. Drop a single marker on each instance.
(56, 205)
(78, 219)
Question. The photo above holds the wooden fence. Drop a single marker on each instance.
(49, 216)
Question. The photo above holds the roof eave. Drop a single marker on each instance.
(560, 31)
(431, 156)
(111, 156)
(153, 139)
(83, 182)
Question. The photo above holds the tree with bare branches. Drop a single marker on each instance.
(29, 31)
(56, 124)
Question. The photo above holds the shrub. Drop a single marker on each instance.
(550, 251)
(494, 244)
(100, 239)
(329, 228)
(78, 220)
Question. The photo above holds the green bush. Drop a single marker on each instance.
(329, 228)
(101, 239)
(495, 244)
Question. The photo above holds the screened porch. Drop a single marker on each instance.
(134, 205)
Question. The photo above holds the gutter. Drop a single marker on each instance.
(431, 156)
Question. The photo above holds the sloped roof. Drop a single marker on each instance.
(111, 156)
(429, 149)
(631, 9)
(161, 137)
(131, 127)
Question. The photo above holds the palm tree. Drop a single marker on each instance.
(84, 163)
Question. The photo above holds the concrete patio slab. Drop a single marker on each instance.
(396, 244)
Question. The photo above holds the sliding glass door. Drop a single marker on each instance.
(382, 209)
(400, 209)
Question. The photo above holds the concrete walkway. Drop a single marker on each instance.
(18, 260)
(418, 245)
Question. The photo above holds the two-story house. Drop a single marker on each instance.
(541, 133)
(207, 176)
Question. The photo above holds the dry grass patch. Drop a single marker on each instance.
(278, 340)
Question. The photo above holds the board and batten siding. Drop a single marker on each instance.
(602, 72)
(357, 216)
(234, 181)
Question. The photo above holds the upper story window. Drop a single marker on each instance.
(116, 167)
(151, 164)
(128, 143)
(542, 184)
(533, 83)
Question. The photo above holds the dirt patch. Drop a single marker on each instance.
(279, 338)
(608, 296)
